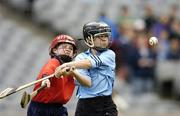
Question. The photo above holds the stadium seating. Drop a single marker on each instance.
(69, 15)
(22, 55)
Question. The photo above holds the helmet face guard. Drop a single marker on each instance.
(94, 29)
(62, 39)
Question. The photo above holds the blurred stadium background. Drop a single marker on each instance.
(28, 26)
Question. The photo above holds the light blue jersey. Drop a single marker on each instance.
(102, 74)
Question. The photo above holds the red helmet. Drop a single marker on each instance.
(62, 39)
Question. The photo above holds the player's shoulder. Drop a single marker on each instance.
(53, 62)
(82, 55)
(50, 66)
(110, 51)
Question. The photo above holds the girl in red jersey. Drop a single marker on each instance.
(50, 100)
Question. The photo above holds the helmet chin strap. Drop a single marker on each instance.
(64, 58)
(99, 49)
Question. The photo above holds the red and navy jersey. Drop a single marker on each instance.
(61, 89)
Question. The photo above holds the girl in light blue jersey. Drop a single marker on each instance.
(95, 72)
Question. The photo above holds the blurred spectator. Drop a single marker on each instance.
(114, 28)
(173, 12)
(149, 18)
(125, 45)
(163, 45)
(174, 50)
(142, 64)
(162, 24)
(125, 19)
(174, 30)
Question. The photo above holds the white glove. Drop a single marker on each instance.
(47, 82)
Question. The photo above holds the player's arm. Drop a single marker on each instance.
(83, 80)
(90, 62)
(81, 64)
(93, 61)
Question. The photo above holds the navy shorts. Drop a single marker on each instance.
(97, 106)
(42, 109)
